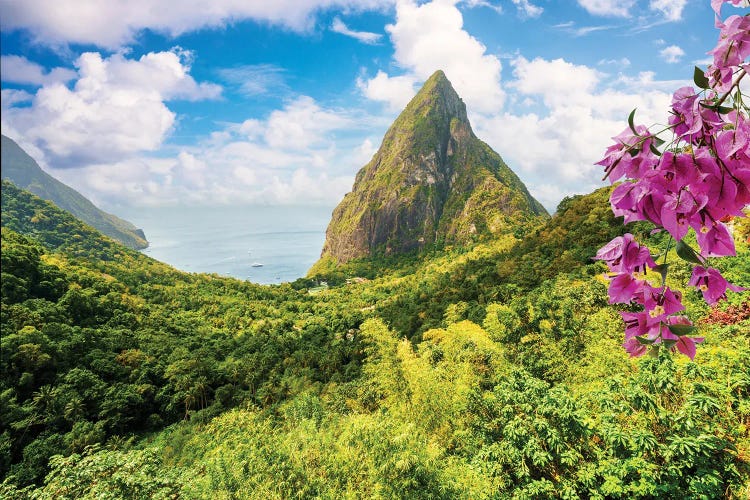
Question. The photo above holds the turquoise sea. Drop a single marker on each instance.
(262, 244)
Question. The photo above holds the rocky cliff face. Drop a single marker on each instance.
(432, 182)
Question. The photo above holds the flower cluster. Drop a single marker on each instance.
(628, 263)
(699, 181)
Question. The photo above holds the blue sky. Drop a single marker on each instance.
(224, 101)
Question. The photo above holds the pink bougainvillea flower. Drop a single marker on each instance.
(677, 171)
(686, 116)
(683, 343)
(631, 154)
(623, 288)
(686, 345)
(634, 348)
(714, 239)
(661, 303)
(625, 199)
(636, 324)
(712, 284)
(701, 180)
(679, 208)
(624, 255)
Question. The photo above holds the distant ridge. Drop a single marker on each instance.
(22, 170)
(431, 183)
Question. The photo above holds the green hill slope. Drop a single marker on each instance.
(21, 169)
(447, 376)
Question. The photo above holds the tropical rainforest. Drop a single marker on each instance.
(491, 370)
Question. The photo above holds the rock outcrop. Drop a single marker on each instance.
(431, 183)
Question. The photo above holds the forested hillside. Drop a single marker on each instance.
(22, 170)
(493, 371)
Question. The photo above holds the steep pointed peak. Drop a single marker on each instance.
(438, 86)
(431, 182)
(437, 102)
(438, 79)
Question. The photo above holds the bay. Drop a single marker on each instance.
(262, 244)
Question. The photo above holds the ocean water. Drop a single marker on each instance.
(285, 241)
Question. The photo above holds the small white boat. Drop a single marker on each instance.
(256, 264)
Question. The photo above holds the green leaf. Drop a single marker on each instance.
(654, 150)
(686, 252)
(630, 121)
(654, 351)
(662, 269)
(719, 109)
(681, 330)
(658, 141)
(668, 344)
(645, 341)
(699, 77)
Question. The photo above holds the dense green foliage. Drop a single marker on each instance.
(443, 376)
(23, 171)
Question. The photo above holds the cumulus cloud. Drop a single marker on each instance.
(115, 108)
(583, 108)
(114, 24)
(11, 97)
(301, 125)
(558, 81)
(429, 37)
(338, 26)
(396, 91)
(298, 154)
(559, 116)
(18, 69)
(672, 54)
(671, 9)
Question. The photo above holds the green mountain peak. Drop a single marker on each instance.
(431, 183)
(23, 171)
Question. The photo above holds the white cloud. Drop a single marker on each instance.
(672, 54)
(558, 81)
(669, 10)
(527, 9)
(299, 154)
(18, 69)
(396, 91)
(338, 26)
(672, 9)
(256, 79)
(365, 152)
(570, 27)
(302, 124)
(114, 24)
(622, 63)
(609, 8)
(429, 37)
(483, 3)
(14, 96)
(582, 110)
(560, 115)
(115, 108)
